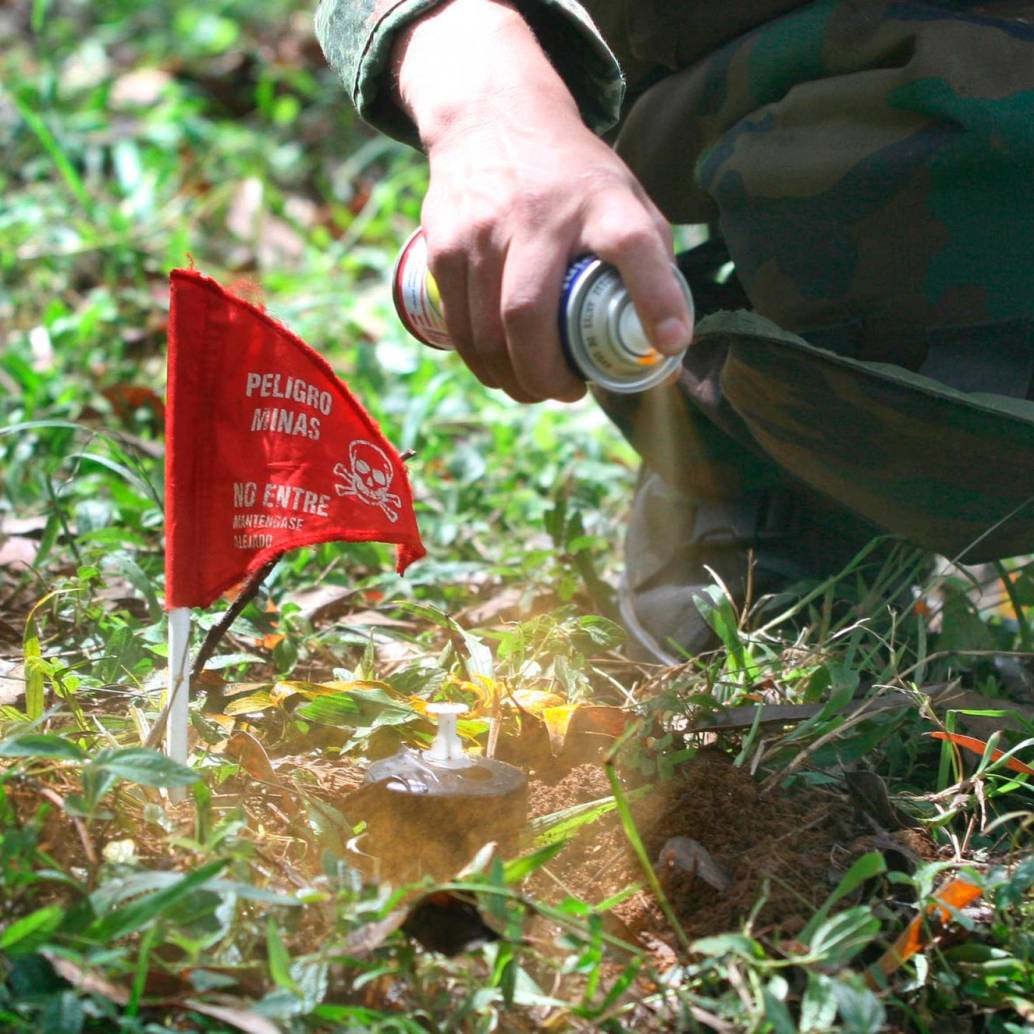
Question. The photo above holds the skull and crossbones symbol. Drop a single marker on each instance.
(368, 476)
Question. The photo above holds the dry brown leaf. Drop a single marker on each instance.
(18, 552)
(12, 682)
(237, 1016)
(84, 980)
(599, 719)
(125, 399)
(22, 525)
(251, 756)
(688, 858)
(368, 938)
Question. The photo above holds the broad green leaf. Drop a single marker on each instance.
(728, 944)
(64, 1014)
(860, 1010)
(335, 710)
(843, 936)
(125, 565)
(41, 745)
(31, 931)
(844, 686)
(35, 667)
(865, 868)
(148, 767)
(478, 659)
(279, 959)
(230, 660)
(717, 610)
(603, 632)
(818, 1006)
(137, 914)
(353, 708)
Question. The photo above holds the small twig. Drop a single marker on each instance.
(860, 714)
(84, 837)
(748, 595)
(218, 630)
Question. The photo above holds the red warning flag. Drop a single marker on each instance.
(266, 450)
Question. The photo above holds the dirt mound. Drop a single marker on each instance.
(791, 841)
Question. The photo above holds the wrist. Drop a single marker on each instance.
(474, 62)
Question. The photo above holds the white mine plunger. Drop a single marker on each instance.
(447, 750)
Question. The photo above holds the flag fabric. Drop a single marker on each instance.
(266, 449)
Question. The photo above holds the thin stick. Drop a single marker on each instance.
(218, 630)
(175, 714)
(866, 710)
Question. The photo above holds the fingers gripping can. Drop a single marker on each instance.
(603, 340)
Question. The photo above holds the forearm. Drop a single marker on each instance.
(472, 61)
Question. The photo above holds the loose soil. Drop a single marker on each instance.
(796, 843)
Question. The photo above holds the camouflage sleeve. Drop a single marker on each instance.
(357, 37)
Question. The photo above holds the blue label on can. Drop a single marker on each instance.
(574, 271)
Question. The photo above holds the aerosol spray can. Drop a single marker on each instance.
(603, 340)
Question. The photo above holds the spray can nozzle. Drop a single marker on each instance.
(447, 750)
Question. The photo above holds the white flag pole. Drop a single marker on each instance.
(179, 690)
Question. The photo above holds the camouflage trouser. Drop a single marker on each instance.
(871, 169)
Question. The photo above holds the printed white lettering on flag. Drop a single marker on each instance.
(294, 499)
(279, 420)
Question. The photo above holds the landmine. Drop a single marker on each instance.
(429, 812)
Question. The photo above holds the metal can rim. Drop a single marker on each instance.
(570, 335)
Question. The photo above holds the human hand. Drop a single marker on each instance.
(519, 188)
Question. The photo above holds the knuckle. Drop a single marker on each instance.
(481, 229)
(537, 207)
(606, 177)
(444, 254)
(628, 235)
(519, 308)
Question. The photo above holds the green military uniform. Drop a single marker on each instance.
(868, 165)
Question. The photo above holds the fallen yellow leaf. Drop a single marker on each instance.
(535, 700)
(557, 720)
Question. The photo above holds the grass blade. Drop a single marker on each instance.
(49, 144)
(632, 833)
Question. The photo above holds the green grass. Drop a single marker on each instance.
(137, 134)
